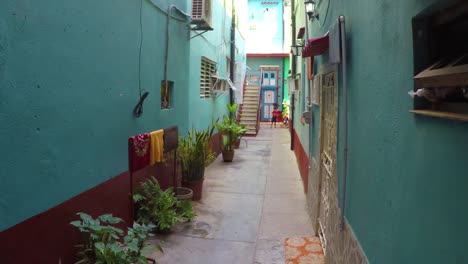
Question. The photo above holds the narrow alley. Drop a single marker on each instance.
(119, 119)
(249, 208)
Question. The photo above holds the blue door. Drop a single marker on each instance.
(269, 90)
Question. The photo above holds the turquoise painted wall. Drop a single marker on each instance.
(301, 102)
(287, 64)
(69, 77)
(407, 174)
(215, 45)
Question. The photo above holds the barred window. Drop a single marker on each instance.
(208, 68)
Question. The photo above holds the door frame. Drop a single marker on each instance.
(324, 70)
(274, 88)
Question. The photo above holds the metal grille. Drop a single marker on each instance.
(208, 69)
(329, 215)
(197, 9)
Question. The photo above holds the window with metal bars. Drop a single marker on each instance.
(207, 69)
(440, 39)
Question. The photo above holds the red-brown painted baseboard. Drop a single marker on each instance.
(302, 160)
(48, 237)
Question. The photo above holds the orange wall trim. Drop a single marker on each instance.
(302, 160)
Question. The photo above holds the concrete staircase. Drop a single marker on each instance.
(249, 109)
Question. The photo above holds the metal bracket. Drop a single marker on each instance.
(199, 29)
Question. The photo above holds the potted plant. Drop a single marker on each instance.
(161, 208)
(105, 243)
(231, 133)
(195, 155)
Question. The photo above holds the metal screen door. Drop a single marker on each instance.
(328, 213)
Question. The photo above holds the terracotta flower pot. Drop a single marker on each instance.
(196, 187)
(184, 193)
(228, 156)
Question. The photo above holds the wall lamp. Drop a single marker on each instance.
(310, 8)
(296, 50)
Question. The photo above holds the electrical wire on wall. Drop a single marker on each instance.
(326, 14)
(166, 55)
(138, 109)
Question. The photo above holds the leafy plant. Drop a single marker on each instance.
(232, 131)
(160, 207)
(102, 244)
(186, 210)
(195, 153)
(285, 109)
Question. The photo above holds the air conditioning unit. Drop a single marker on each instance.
(201, 13)
(294, 85)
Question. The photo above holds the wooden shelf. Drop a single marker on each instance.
(439, 114)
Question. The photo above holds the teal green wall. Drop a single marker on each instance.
(406, 186)
(286, 74)
(215, 45)
(68, 83)
(300, 105)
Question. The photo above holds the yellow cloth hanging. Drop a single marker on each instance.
(156, 146)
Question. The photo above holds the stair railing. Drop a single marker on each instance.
(259, 109)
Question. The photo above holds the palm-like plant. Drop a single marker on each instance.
(195, 153)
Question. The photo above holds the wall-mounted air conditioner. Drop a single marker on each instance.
(201, 13)
(294, 84)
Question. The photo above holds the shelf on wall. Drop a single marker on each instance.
(199, 30)
(439, 114)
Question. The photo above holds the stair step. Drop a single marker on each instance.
(248, 115)
(252, 87)
(250, 105)
(248, 121)
(249, 110)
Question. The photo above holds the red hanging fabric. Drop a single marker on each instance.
(138, 152)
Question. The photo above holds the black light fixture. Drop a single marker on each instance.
(296, 50)
(310, 8)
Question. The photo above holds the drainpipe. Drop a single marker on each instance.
(293, 68)
(233, 53)
(309, 102)
(283, 83)
(345, 119)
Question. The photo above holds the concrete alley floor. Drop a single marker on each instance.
(248, 207)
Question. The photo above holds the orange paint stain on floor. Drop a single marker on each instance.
(304, 250)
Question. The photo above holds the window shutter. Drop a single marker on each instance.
(208, 68)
